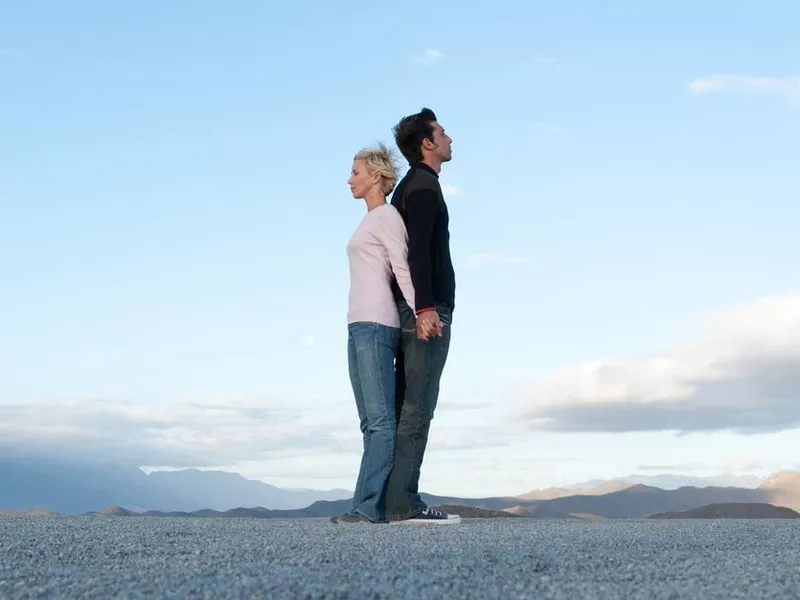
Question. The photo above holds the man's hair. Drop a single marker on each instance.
(411, 130)
(380, 160)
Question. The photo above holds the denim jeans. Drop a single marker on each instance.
(419, 371)
(371, 350)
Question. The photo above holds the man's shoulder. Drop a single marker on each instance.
(420, 179)
(416, 183)
(417, 178)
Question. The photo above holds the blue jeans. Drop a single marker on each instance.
(371, 350)
(419, 370)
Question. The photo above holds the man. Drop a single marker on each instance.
(426, 334)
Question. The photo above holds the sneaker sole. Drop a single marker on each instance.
(427, 522)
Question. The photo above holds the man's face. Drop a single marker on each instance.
(442, 143)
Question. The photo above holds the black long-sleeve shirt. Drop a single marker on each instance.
(419, 199)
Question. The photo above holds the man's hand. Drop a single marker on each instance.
(428, 325)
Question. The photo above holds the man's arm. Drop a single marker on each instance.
(422, 208)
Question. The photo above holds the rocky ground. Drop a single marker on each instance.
(141, 557)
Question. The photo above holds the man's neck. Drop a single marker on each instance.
(436, 165)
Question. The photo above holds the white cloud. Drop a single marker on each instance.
(428, 57)
(786, 88)
(213, 432)
(451, 190)
(743, 465)
(683, 467)
(309, 340)
(547, 62)
(743, 375)
(491, 259)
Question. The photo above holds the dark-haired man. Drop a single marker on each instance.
(426, 335)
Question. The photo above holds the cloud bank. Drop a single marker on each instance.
(428, 57)
(785, 88)
(200, 434)
(743, 375)
(451, 190)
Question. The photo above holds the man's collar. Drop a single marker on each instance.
(428, 168)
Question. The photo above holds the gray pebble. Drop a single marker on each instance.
(141, 557)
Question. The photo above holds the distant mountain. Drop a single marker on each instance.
(597, 487)
(323, 508)
(222, 490)
(113, 511)
(28, 512)
(70, 488)
(783, 489)
(76, 488)
(731, 510)
(318, 509)
(640, 501)
(671, 481)
(735, 510)
(550, 493)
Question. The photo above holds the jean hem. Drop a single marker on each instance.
(371, 519)
(407, 515)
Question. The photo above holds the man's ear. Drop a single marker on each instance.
(428, 144)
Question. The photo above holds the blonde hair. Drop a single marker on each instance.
(380, 160)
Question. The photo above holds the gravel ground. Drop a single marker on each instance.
(140, 557)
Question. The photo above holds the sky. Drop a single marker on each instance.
(623, 200)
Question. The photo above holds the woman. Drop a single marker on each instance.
(377, 251)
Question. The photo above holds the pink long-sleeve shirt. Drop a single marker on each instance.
(378, 249)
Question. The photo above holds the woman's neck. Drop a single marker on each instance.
(374, 200)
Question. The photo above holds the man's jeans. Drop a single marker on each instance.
(371, 350)
(419, 370)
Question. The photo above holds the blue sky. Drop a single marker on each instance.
(175, 212)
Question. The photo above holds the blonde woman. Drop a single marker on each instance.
(377, 253)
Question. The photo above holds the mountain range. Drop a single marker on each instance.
(664, 481)
(733, 510)
(79, 488)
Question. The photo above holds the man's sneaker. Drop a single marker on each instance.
(430, 515)
(351, 517)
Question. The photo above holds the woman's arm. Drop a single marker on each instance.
(393, 235)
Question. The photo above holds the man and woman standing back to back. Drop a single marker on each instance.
(402, 291)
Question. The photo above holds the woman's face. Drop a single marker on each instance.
(360, 181)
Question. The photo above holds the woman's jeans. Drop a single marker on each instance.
(371, 350)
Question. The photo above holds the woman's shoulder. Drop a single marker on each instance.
(389, 216)
(387, 211)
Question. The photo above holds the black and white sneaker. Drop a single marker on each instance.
(433, 516)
